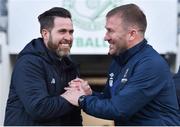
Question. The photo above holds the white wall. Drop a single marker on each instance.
(161, 30)
(5, 73)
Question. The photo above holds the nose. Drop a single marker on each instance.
(106, 37)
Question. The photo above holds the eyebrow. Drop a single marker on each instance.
(66, 30)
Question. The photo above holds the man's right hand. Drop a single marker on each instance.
(82, 85)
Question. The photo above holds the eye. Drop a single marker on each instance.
(109, 30)
(71, 32)
(62, 31)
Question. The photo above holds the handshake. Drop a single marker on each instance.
(77, 88)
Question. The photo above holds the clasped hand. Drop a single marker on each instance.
(76, 88)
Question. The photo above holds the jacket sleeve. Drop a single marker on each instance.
(29, 82)
(104, 94)
(145, 83)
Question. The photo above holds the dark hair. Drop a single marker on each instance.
(46, 19)
(131, 14)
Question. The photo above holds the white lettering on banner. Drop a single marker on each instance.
(90, 42)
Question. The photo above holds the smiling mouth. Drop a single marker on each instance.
(65, 45)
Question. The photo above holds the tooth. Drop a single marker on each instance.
(65, 44)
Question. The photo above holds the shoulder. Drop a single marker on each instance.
(151, 63)
(152, 59)
(29, 59)
(28, 63)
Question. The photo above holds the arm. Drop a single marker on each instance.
(30, 85)
(145, 83)
(104, 94)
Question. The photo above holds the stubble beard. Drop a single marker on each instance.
(117, 49)
(61, 52)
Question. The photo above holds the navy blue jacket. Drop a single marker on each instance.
(139, 91)
(38, 80)
(177, 83)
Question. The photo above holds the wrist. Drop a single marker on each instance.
(81, 100)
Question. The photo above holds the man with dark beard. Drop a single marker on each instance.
(42, 70)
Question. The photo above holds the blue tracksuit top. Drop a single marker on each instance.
(139, 90)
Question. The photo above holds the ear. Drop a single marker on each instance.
(45, 34)
(132, 34)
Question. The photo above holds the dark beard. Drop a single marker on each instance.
(53, 48)
(50, 44)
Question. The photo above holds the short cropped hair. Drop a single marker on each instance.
(46, 19)
(130, 14)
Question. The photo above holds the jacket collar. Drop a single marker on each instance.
(123, 58)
